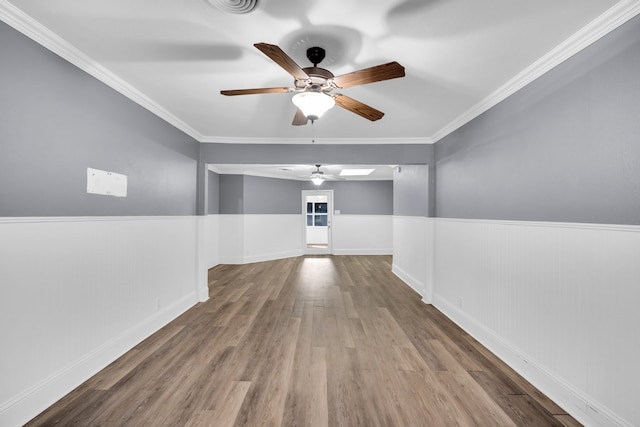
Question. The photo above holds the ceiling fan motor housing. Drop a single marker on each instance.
(317, 81)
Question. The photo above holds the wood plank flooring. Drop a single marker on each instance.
(308, 341)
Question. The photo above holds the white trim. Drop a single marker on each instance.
(364, 251)
(48, 219)
(582, 267)
(38, 397)
(409, 280)
(617, 15)
(412, 250)
(579, 225)
(279, 175)
(139, 303)
(586, 410)
(330, 207)
(202, 267)
(318, 141)
(248, 259)
(56, 44)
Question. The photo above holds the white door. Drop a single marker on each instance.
(317, 210)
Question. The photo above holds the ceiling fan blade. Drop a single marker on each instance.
(278, 56)
(358, 107)
(255, 91)
(299, 119)
(391, 70)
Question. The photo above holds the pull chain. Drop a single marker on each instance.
(313, 132)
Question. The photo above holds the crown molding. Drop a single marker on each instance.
(56, 44)
(610, 20)
(31, 28)
(318, 141)
(604, 24)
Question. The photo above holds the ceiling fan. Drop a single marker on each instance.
(318, 176)
(315, 86)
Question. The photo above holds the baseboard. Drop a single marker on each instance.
(26, 405)
(577, 404)
(411, 281)
(248, 259)
(231, 260)
(272, 256)
(368, 251)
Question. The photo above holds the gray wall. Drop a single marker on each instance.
(56, 120)
(411, 190)
(359, 197)
(271, 196)
(214, 191)
(312, 154)
(565, 148)
(240, 194)
(231, 194)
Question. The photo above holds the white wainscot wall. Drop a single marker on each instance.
(362, 235)
(255, 238)
(212, 237)
(413, 253)
(76, 293)
(557, 302)
(243, 239)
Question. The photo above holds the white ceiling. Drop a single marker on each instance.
(304, 172)
(174, 57)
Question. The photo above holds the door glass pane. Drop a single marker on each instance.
(310, 220)
(309, 207)
(320, 221)
(321, 208)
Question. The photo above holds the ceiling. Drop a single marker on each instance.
(173, 57)
(304, 172)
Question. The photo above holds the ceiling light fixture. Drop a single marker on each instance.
(313, 104)
(317, 176)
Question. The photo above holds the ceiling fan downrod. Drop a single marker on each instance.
(315, 54)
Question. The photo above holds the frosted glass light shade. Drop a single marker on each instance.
(313, 104)
(317, 180)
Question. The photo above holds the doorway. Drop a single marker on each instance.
(317, 210)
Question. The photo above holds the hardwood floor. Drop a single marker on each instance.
(308, 341)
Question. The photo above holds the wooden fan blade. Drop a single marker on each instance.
(255, 91)
(278, 56)
(391, 70)
(359, 108)
(299, 119)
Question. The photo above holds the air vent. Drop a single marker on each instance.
(235, 6)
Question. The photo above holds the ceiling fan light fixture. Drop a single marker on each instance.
(317, 180)
(313, 104)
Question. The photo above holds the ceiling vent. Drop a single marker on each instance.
(235, 6)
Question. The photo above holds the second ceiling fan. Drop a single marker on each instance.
(316, 86)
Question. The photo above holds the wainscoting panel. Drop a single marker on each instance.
(362, 234)
(212, 238)
(230, 239)
(268, 237)
(413, 253)
(255, 238)
(79, 292)
(558, 302)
